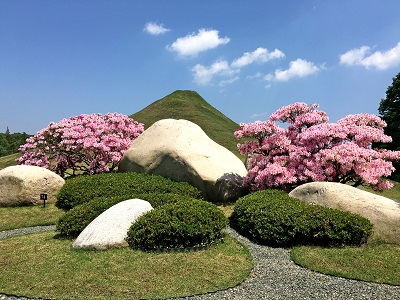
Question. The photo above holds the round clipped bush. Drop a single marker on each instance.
(272, 217)
(178, 225)
(82, 189)
(74, 221)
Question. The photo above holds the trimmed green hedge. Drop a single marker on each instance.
(272, 217)
(72, 223)
(81, 189)
(178, 225)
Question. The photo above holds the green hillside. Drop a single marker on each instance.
(189, 105)
(9, 160)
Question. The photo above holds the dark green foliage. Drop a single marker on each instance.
(272, 217)
(389, 110)
(72, 223)
(81, 189)
(10, 143)
(178, 225)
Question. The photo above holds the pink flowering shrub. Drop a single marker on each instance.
(85, 144)
(311, 149)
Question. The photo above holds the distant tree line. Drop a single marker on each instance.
(9, 143)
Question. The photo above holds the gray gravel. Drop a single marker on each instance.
(22, 231)
(275, 277)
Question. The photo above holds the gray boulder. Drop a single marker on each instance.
(384, 213)
(22, 185)
(110, 228)
(180, 150)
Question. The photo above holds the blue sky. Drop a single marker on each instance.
(246, 58)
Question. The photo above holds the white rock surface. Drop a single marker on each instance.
(384, 213)
(110, 228)
(180, 150)
(22, 185)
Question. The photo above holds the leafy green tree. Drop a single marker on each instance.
(3, 144)
(389, 109)
(10, 143)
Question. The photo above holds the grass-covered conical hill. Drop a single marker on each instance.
(189, 105)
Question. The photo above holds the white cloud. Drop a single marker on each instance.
(257, 115)
(259, 55)
(354, 56)
(154, 28)
(203, 75)
(297, 68)
(193, 44)
(257, 75)
(379, 60)
(228, 81)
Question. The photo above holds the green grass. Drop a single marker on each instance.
(50, 268)
(377, 262)
(26, 216)
(9, 160)
(189, 105)
(393, 193)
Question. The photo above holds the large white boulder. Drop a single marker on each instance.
(22, 185)
(180, 150)
(110, 228)
(384, 213)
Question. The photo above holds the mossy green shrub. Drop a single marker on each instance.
(272, 217)
(178, 225)
(84, 188)
(74, 221)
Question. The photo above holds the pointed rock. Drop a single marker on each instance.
(180, 150)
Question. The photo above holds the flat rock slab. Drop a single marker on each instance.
(180, 150)
(383, 212)
(110, 228)
(22, 185)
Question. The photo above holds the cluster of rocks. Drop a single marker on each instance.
(180, 150)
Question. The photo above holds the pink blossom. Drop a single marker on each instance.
(85, 144)
(311, 149)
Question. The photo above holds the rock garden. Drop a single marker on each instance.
(155, 228)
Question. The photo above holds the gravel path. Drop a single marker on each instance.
(22, 231)
(275, 277)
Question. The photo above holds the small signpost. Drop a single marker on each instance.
(44, 198)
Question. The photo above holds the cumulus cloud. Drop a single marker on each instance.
(257, 75)
(354, 56)
(257, 115)
(154, 28)
(297, 68)
(260, 55)
(379, 60)
(203, 75)
(193, 44)
(228, 81)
